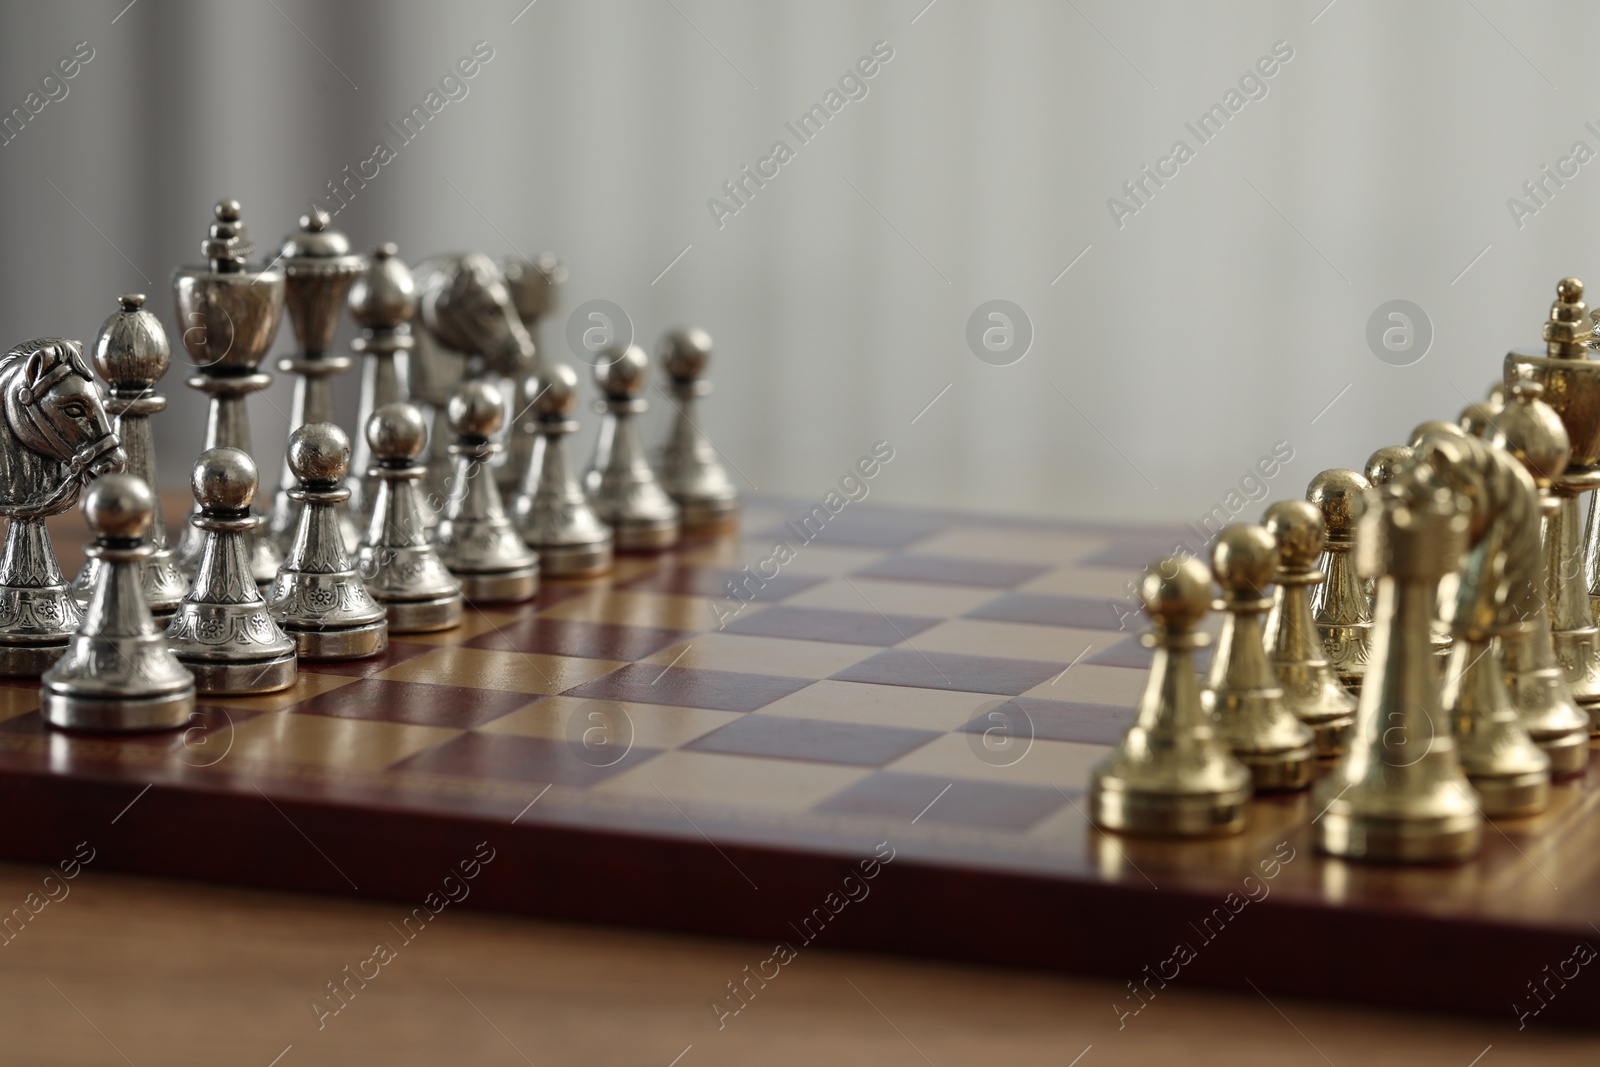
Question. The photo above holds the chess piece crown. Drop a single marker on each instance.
(475, 539)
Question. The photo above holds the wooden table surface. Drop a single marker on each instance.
(122, 969)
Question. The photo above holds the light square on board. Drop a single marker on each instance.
(1093, 685)
(761, 655)
(893, 598)
(712, 778)
(517, 672)
(594, 724)
(1063, 764)
(662, 611)
(356, 744)
(883, 705)
(1013, 640)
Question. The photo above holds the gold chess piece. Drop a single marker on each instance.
(1171, 774)
(1531, 432)
(1342, 611)
(1571, 384)
(1381, 468)
(1496, 596)
(1382, 464)
(1311, 690)
(1242, 688)
(1399, 794)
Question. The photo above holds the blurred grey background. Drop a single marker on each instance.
(1176, 340)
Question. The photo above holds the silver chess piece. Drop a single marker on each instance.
(131, 353)
(118, 673)
(551, 510)
(222, 630)
(624, 489)
(402, 570)
(382, 301)
(474, 537)
(319, 270)
(535, 286)
(229, 315)
(319, 600)
(54, 436)
(689, 468)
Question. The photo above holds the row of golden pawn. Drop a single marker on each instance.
(1430, 638)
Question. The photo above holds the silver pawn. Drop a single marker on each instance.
(118, 672)
(551, 510)
(689, 469)
(319, 600)
(382, 302)
(624, 489)
(222, 630)
(535, 287)
(474, 538)
(132, 354)
(402, 570)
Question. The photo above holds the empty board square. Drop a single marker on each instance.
(596, 724)
(514, 672)
(645, 683)
(823, 624)
(351, 744)
(722, 582)
(705, 782)
(398, 652)
(663, 611)
(572, 637)
(923, 798)
(1055, 720)
(855, 528)
(883, 705)
(948, 670)
(1084, 613)
(777, 656)
(419, 703)
(953, 570)
(1129, 652)
(813, 740)
(524, 759)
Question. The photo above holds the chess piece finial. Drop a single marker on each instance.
(1477, 419)
(402, 570)
(319, 600)
(319, 270)
(1434, 426)
(474, 537)
(689, 468)
(1382, 464)
(1531, 432)
(1311, 689)
(624, 489)
(222, 630)
(228, 315)
(1568, 329)
(535, 287)
(1399, 795)
(1497, 596)
(117, 673)
(1171, 774)
(551, 510)
(1241, 687)
(382, 301)
(132, 355)
(1343, 613)
(1381, 469)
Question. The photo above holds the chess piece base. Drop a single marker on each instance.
(349, 642)
(424, 616)
(29, 661)
(654, 536)
(1569, 753)
(1115, 806)
(69, 712)
(242, 678)
(1579, 653)
(574, 561)
(1332, 736)
(1357, 835)
(499, 587)
(1290, 769)
(709, 516)
(1512, 796)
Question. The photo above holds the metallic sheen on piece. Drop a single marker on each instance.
(624, 489)
(1342, 611)
(222, 630)
(55, 436)
(1399, 794)
(229, 316)
(535, 287)
(1571, 384)
(319, 600)
(118, 673)
(382, 301)
(131, 353)
(1311, 689)
(1241, 687)
(689, 469)
(319, 270)
(1532, 432)
(551, 510)
(1498, 594)
(474, 537)
(1171, 775)
(399, 565)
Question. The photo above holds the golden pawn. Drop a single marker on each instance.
(1342, 612)
(1311, 691)
(1241, 688)
(1399, 794)
(1170, 775)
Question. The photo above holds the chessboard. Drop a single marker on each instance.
(879, 739)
